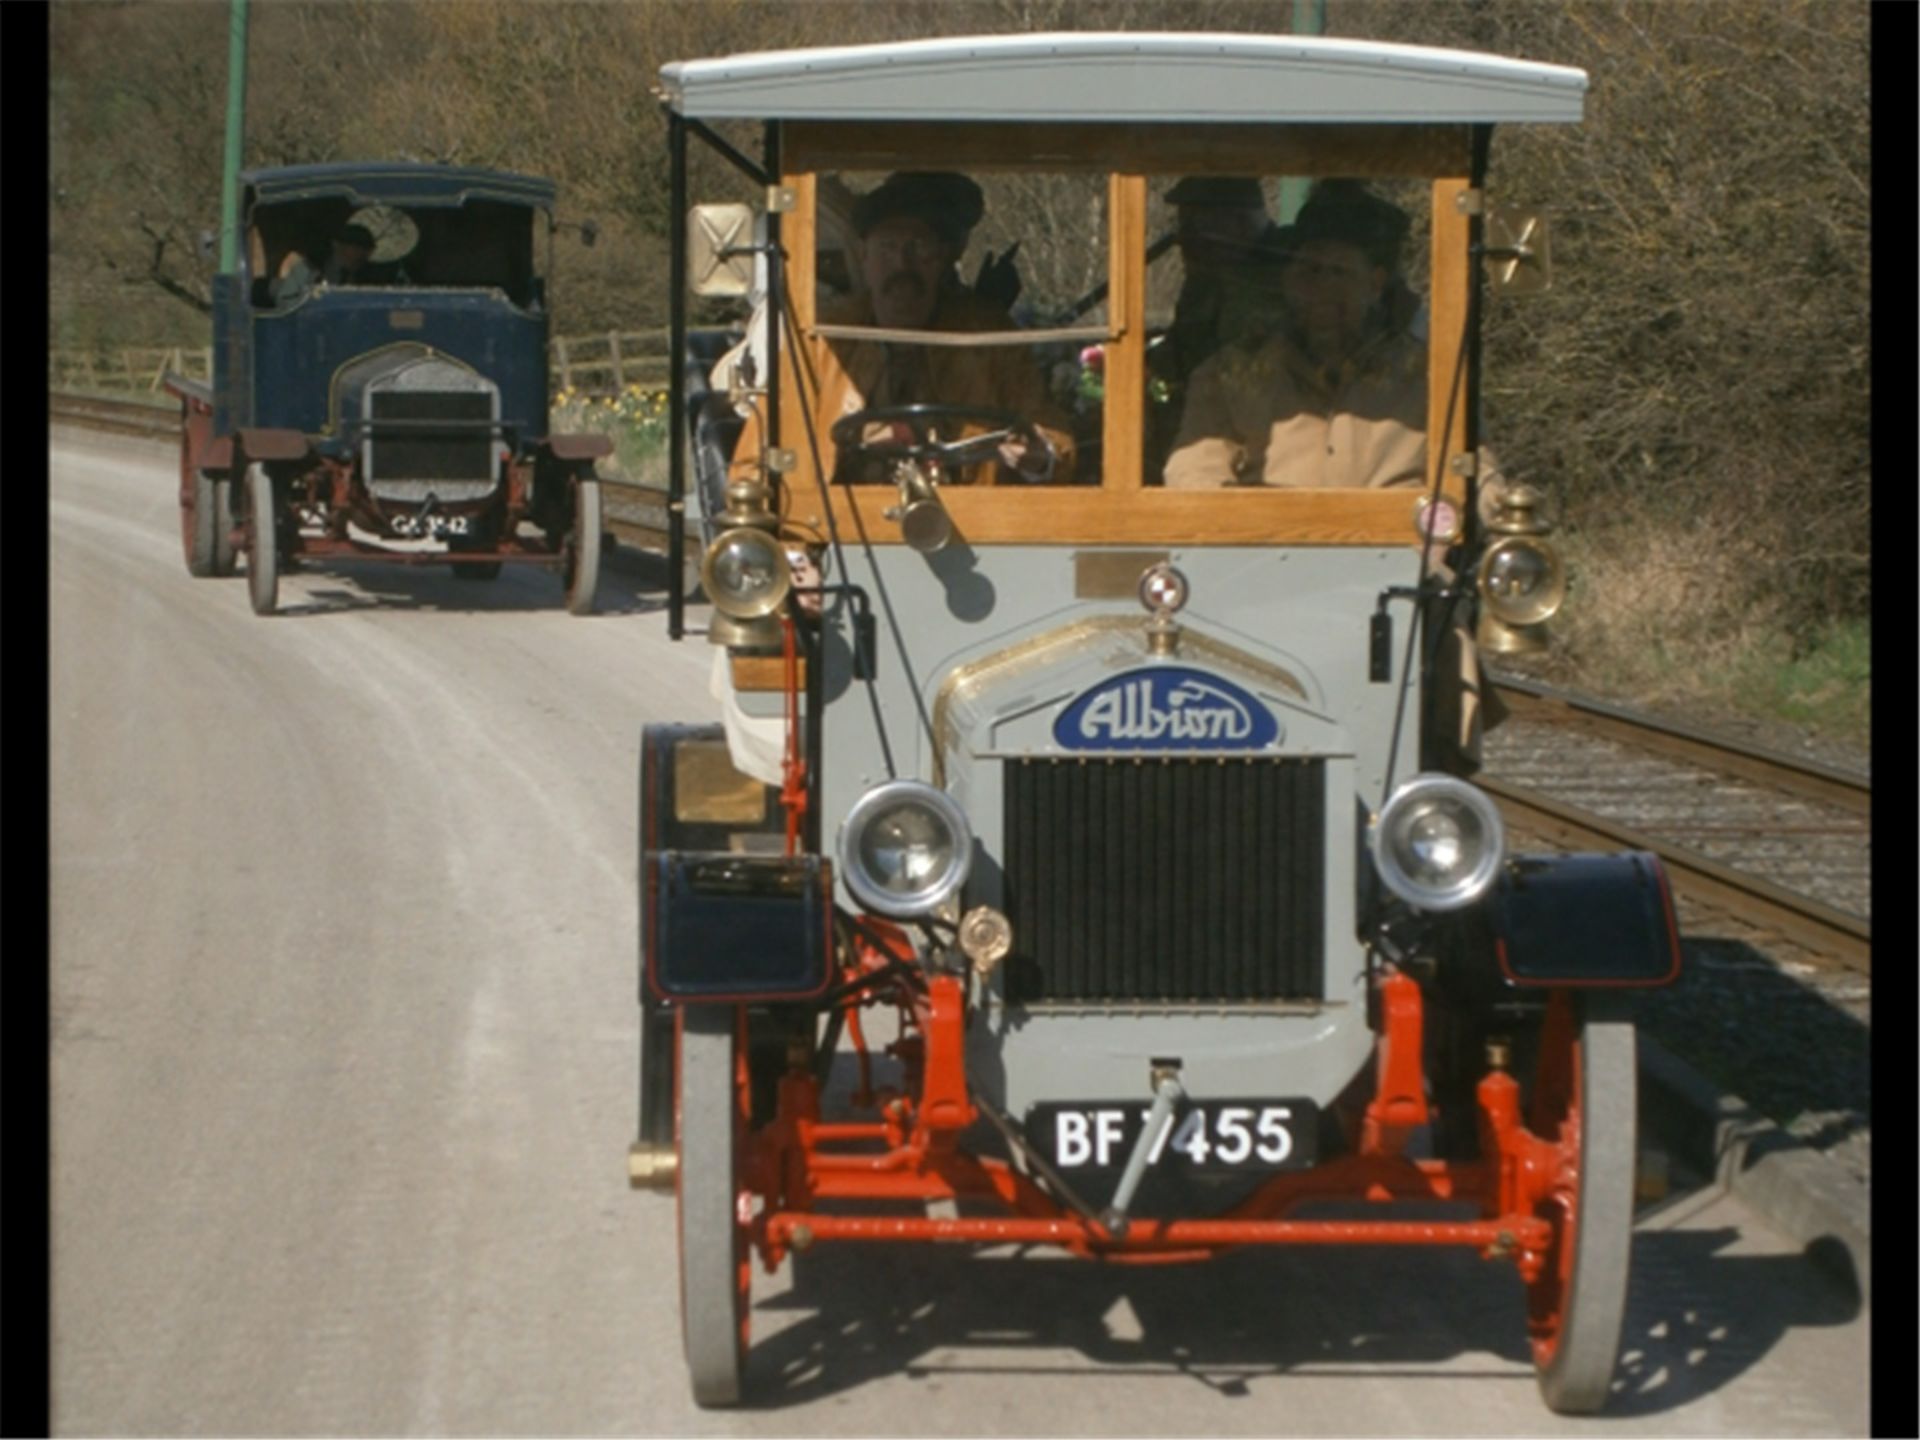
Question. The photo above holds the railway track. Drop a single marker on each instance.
(119, 417)
(1778, 843)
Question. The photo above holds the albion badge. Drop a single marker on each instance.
(1166, 707)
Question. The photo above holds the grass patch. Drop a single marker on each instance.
(635, 420)
(1671, 615)
(1824, 683)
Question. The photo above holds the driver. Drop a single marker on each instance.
(911, 231)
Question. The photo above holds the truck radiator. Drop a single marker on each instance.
(1165, 880)
(408, 460)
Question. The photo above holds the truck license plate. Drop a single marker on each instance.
(1210, 1135)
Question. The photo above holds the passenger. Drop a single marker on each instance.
(1332, 390)
(1335, 395)
(349, 251)
(911, 231)
(1223, 222)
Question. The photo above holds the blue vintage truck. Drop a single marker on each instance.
(379, 384)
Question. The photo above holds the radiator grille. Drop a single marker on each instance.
(1165, 880)
(464, 452)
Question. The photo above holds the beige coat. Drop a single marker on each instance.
(1271, 417)
(871, 373)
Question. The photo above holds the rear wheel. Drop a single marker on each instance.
(715, 1266)
(199, 523)
(225, 557)
(263, 557)
(197, 519)
(1585, 1097)
(580, 568)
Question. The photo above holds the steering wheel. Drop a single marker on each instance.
(1001, 426)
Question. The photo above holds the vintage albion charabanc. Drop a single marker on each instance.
(399, 413)
(1129, 806)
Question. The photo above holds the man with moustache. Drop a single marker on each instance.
(911, 230)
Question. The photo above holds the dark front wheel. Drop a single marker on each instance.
(1585, 1098)
(580, 567)
(715, 1265)
(263, 557)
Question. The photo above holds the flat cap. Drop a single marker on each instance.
(949, 202)
(1345, 210)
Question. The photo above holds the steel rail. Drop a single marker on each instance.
(120, 417)
(1845, 938)
(1808, 779)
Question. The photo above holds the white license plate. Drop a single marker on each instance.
(432, 526)
(1211, 1135)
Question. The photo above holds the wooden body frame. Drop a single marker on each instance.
(1129, 512)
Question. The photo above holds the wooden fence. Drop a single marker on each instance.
(593, 365)
(607, 364)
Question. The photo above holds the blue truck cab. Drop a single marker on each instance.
(406, 401)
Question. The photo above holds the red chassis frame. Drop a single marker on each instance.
(1526, 1181)
(331, 480)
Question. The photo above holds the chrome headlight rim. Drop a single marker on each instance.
(923, 900)
(725, 601)
(1537, 607)
(1424, 791)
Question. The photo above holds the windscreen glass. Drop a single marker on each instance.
(1287, 332)
(967, 312)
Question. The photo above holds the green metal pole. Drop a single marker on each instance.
(236, 115)
(1309, 18)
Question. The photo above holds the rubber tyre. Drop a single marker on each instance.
(263, 557)
(1584, 1285)
(226, 559)
(580, 568)
(714, 1263)
(198, 523)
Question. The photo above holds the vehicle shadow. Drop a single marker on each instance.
(1698, 1317)
(1729, 992)
(631, 583)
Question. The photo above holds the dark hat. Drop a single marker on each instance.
(1257, 272)
(1227, 191)
(1346, 211)
(354, 235)
(951, 203)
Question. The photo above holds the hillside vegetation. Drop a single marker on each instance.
(1693, 390)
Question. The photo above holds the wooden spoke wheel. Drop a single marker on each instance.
(1584, 1097)
(196, 509)
(716, 1272)
(580, 567)
(263, 551)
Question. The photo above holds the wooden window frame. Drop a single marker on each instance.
(1129, 512)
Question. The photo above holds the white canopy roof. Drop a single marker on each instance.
(1184, 77)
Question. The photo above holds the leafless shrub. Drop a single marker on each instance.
(1701, 362)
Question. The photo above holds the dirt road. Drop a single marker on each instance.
(343, 1057)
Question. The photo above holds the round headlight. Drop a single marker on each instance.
(1522, 580)
(745, 574)
(905, 848)
(1438, 842)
